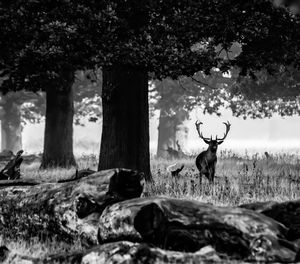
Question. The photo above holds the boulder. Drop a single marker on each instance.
(124, 252)
(287, 213)
(187, 226)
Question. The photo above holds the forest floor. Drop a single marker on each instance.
(238, 180)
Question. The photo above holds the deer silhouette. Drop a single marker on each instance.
(206, 161)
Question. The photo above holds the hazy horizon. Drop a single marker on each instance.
(274, 134)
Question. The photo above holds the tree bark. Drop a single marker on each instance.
(170, 130)
(64, 211)
(58, 139)
(125, 133)
(11, 127)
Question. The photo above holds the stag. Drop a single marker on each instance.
(206, 161)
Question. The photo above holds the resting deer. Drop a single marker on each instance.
(206, 161)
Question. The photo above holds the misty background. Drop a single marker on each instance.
(275, 134)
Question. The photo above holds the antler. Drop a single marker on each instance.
(227, 130)
(198, 123)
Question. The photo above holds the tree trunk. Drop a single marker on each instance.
(170, 130)
(58, 140)
(11, 127)
(125, 133)
(166, 134)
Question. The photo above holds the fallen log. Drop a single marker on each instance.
(64, 211)
(187, 226)
(78, 175)
(287, 213)
(11, 171)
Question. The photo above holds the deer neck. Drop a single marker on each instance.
(211, 154)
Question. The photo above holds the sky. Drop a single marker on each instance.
(274, 135)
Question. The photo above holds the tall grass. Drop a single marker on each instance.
(239, 179)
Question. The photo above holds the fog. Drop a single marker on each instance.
(276, 134)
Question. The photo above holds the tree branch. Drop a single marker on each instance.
(203, 83)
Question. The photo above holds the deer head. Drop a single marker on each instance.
(213, 143)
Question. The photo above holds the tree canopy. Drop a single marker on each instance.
(266, 94)
(43, 44)
(42, 40)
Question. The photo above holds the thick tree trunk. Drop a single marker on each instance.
(65, 211)
(125, 134)
(58, 140)
(170, 130)
(11, 127)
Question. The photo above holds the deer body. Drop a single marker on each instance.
(206, 161)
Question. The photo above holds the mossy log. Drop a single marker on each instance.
(64, 211)
(187, 226)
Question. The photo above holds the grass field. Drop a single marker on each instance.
(238, 180)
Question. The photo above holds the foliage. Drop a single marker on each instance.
(42, 41)
(87, 96)
(265, 94)
(87, 101)
(32, 105)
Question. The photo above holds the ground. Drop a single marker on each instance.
(238, 180)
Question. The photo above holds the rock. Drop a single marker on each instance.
(135, 253)
(124, 252)
(287, 213)
(65, 211)
(4, 252)
(184, 225)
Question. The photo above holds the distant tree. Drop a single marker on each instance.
(169, 99)
(20, 108)
(17, 109)
(87, 96)
(44, 42)
(175, 99)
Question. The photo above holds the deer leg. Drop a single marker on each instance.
(200, 179)
(212, 175)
